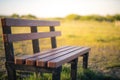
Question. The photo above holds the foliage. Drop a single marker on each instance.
(92, 17)
(73, 17)
(116, 17)
(92, 75)
(108, 18)
(15, 15)
(29, 16)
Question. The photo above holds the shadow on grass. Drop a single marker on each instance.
(82, 74)
(87, 74)
(92, 75)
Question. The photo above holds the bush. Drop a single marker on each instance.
(73, 17)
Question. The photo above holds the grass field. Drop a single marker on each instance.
(102, 37)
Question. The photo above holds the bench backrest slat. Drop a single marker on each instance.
(31, 36)
(30, 23)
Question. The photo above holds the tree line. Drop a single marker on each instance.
(28, 16)
(109, 18)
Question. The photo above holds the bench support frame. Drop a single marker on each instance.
(56, 74)
(85, 60)
(74, 69)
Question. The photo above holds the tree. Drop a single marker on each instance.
(15, 15)
(73, 17)
(109, 18)
(29, 16)
(116, 17)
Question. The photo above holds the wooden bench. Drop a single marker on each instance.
(50, 61)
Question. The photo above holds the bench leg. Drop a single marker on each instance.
(11, 72)
(57, 73)
(85, 60)
(74, 69)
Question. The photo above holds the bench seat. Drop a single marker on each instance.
(52, 58)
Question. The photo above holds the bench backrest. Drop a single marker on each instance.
(9, 38)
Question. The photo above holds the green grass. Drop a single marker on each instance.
(102, 37)
(82, 75)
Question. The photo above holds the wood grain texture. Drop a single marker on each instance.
(42, 62)
(21, 60)
(68, 57)
(8, 22)
(53, 58)
(31, 61)
(31, 36)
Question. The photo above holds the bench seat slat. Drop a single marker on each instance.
(42, 62)
(21, 60)
(29, 36)
(31, 61)
(66, 58)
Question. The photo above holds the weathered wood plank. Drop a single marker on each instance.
(68, 57)
(8, 22)
(30, 36)
(21, 60)
(42, 62)
(32, 61)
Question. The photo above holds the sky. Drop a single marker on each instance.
(59, 8)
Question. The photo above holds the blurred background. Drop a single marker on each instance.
(93, 23)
